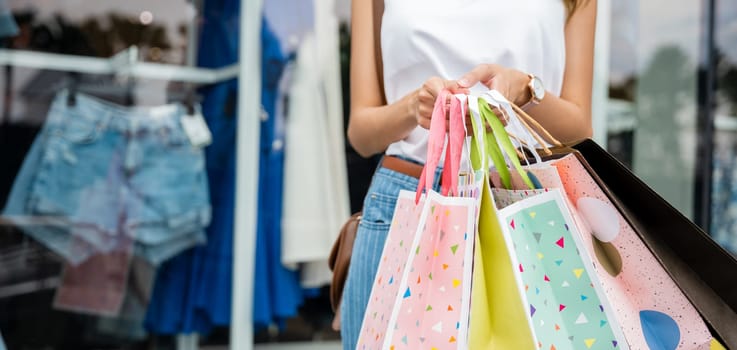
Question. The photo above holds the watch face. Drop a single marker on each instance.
(538, 88)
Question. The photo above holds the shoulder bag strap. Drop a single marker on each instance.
(378, 7)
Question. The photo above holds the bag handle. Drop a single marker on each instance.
(479, 156)
(524, 137)
(377, 16)
(456, 138)
(517, 115)
(435, 144)
(500, 135)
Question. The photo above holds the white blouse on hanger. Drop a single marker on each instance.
(316, 199)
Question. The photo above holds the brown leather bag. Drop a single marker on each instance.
(340, 258)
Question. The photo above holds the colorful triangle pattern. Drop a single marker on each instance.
(561, 243)
(454, 249)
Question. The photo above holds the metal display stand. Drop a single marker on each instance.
(246, 179)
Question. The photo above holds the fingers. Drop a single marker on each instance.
(482, 73)
(433, 86)
(428, 94)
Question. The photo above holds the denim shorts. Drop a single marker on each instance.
(378, 209)
(101, 170)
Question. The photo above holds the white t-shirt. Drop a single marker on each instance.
(425, 38)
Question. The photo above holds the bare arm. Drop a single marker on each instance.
(567, 117)
(373, 124)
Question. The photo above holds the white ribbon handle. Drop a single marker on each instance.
(514, 126)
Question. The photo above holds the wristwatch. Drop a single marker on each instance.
(537, 91)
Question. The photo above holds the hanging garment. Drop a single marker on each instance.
(290, 20)
(277, 292)
(316, 184)
(8, 28)
(100, 174)
(193, 291)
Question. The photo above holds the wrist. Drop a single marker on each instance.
(524, 95)
(411, 103)
(408, 105)
(534, 92)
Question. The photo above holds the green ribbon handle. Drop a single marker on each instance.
(500, 134)
(479, 158)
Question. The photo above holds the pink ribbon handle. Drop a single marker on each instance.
(435, 144)
(456, 138)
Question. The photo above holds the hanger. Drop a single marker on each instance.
(191, 99)
(72, 87)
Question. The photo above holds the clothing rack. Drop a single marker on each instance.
(125, 63)
(248, 69)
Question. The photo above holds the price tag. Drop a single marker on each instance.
(196, 129)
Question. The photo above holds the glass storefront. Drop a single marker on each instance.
(657, 89)
(99, 208)
(724, 189)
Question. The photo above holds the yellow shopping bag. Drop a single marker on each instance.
(498, 318)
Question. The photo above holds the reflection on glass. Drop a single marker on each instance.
(102, 29)
(94, 194)
(653, 94)
(621, 119)
(724, 189)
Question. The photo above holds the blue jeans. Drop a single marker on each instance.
(98, 170)
(378, 209)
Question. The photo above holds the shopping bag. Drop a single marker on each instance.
(396, 251)
(421, 293)
(651, 309)
(498, 317)
(704, 271)
(432, 307)
(567, 307)
(563, 304)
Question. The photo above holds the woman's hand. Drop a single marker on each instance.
(509, 82)
(423, 101)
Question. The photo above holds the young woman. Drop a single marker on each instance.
(538, 53)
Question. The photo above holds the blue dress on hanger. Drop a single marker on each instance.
(193, 291)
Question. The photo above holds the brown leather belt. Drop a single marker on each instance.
(402, 166)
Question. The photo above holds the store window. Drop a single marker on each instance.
(653, 94)
(127, 216)
(100, 185)
(724, 188)
(657, 89)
